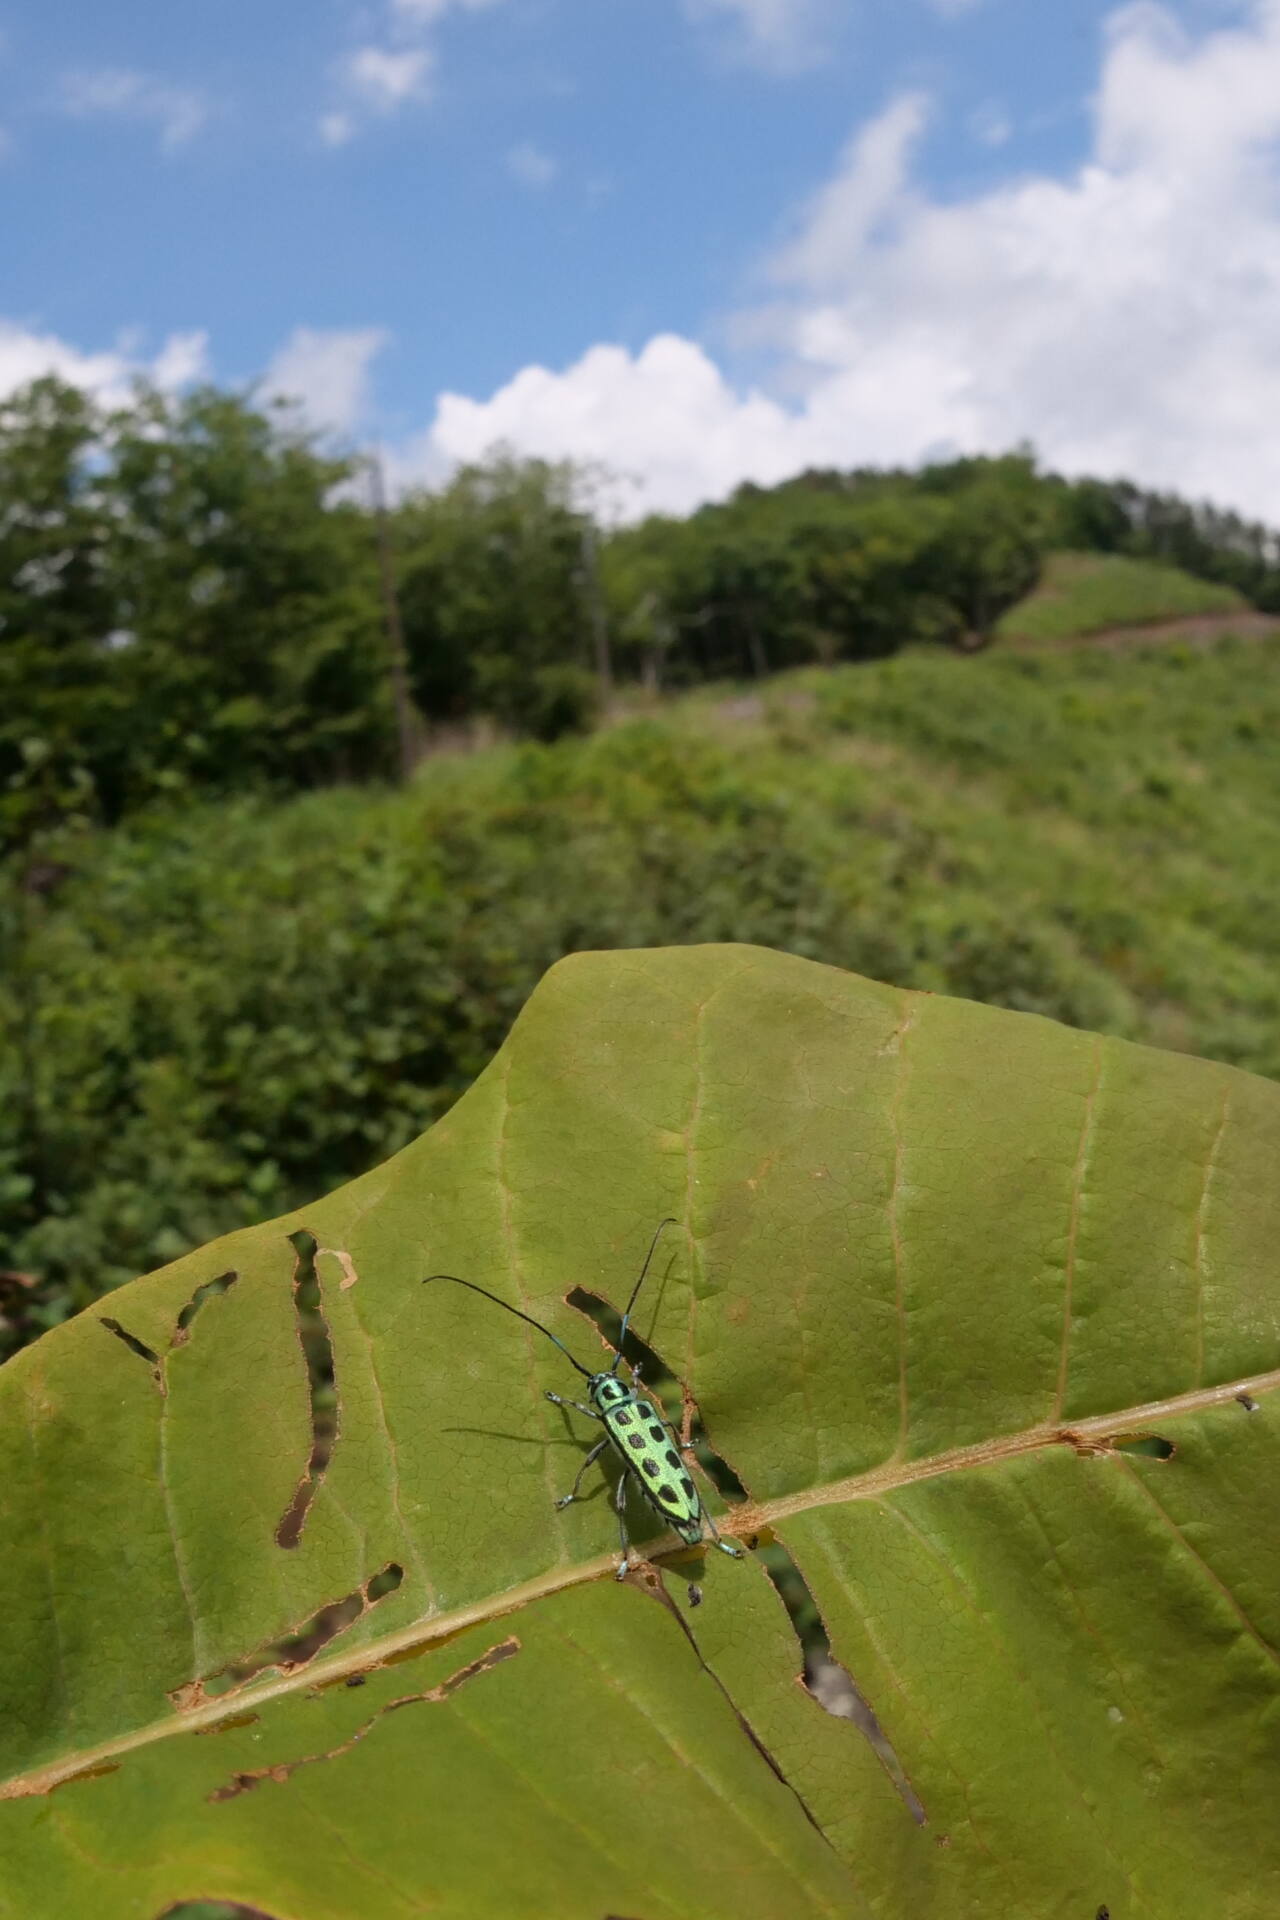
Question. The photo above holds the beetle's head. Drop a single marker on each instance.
(606, 1390)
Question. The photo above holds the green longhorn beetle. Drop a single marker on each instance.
(644, 1441)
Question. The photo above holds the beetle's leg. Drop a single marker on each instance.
(635, 1374)
(620, 1503)
(594, 1454)
(734, 1553)
(577, 1405)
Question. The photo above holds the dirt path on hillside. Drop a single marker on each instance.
(1196, 630)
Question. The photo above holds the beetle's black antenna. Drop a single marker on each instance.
(584, 1371)
(622, 1331)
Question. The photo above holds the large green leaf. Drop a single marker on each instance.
(933, 1262)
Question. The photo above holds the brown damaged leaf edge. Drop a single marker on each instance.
(423, 1635)
(349, 1275)
(242, 1782)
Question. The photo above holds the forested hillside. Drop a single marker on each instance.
(196, 599)
(213, 1012)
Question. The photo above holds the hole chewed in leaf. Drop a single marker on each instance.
(317, 1351)
(1148, 1444)
(290, 1651)
(831, 1685)
(211, 1290)
(243, 1782)
(157, 1362)
(1087, 1445)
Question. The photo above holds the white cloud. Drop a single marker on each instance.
(183, 359)
(120, 93)
(326, 370)
(532, 167)
(785, 35)
(108, 375)
(844, 215)
(385, 79)
(666, 416)
(1123, 318)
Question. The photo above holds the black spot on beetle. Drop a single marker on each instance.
(623, 1419)
(673, 1458)
(656, 1433)
(687, 1484)
(667, 1494)
(651, 1468)
(636, 1439)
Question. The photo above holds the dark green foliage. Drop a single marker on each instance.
(492, 594)
(257, 654)
(181, 605)
(219, 1013)
(61, 716)
(820, 570)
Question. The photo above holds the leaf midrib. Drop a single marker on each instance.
(750, 1517)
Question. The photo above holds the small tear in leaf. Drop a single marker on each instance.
(242, 1782)
(317, 1351)
(134, 1345)
(229, 1725)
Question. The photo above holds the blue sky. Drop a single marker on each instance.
(694, 239)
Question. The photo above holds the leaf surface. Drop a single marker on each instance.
(935, 1267)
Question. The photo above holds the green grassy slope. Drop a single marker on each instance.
(1083, 593)
(234, 1009)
